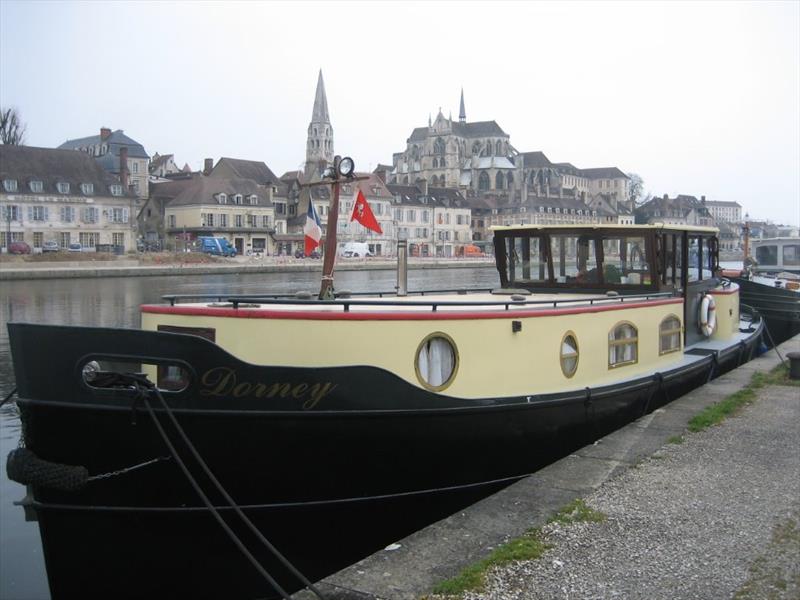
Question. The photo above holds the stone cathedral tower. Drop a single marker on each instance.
(319, 148)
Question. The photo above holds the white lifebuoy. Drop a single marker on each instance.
(708, 315)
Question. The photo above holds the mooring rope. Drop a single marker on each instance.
(7, 398)
(143, 385)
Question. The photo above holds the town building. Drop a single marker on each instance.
(162, 166)
(262, 175)
(108, 147)
(681, 210)
(64, 196)
(723, 211)
(237, 209)
(435, 221)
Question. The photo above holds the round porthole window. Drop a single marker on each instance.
(436, 362)
(569, 354)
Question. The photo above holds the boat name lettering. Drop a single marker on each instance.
(222, 381)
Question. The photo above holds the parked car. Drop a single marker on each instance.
(299, 253)
(356, 250)
(50, 246)
(75, 247)
(217, 246)
(19, 248)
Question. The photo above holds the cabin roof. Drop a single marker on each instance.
(593, 227)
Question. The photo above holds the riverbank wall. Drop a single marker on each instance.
(132, 268)
(410, 568)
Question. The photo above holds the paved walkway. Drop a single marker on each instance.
(713, 516)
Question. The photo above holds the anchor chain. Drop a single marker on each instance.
(127, 469)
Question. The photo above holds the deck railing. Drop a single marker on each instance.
(514, 300)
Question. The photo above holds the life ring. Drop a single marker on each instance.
(708, 315)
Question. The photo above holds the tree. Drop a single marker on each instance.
(636, 187)
(12, 129)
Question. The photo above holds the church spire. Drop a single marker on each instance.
(462, 113)
(319, 146)
(320, 114)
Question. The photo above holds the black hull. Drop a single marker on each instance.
(126, 536)
(779, 307)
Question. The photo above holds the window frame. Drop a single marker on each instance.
(623, 342)
(562, 356)
(670, 332)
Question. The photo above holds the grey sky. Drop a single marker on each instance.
(698, 98)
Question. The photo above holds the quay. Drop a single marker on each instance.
(10, 271)
(711, 514)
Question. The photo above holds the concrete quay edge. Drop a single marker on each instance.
(132, 269)
(442, 549)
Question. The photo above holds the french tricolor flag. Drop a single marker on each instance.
(312, 229)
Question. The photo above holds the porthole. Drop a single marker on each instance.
(436, 362)
(569, 354)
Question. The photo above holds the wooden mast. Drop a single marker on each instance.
(332, 177)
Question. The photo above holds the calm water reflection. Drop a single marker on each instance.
(115, 303)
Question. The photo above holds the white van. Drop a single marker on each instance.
(355, 250)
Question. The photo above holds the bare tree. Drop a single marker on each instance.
(636, 188)
(12, 129)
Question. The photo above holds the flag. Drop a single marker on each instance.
(312, 229)
(363, 213)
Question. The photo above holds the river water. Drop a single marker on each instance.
(114, 302)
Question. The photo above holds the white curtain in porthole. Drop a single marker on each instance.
(436, 361)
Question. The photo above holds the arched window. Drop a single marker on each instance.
(623, 345)
(415, 152)
(498, 181)
(435, 181)
(498, 148)
(669, 333)
(509, 179)
(483, 181)
(438, 146)
(476, 148)
(435, 163)
(405, 179)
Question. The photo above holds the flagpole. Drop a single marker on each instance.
(332, 176)
(329, 255)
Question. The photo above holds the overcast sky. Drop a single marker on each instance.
(700, 99)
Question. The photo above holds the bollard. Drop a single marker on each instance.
(794, 364)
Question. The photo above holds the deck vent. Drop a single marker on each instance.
(516, 326)
(303, 295)
(612, 293)
(518, 298)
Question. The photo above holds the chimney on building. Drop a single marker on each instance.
(123, 167)
(381, 173)
(208, 165)
(105, 133)
(666, 196)
(703, 199)
(424, 186)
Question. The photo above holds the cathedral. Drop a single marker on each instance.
(478, 158)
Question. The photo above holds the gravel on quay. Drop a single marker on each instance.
(713, 517)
